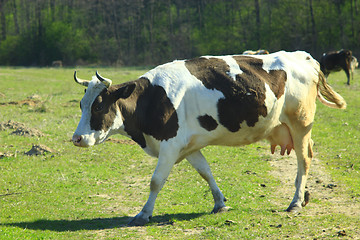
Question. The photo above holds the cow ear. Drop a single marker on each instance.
(125, 91)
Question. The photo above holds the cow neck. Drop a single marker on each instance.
(128, 107)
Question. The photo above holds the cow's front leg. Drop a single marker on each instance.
(347, 75)
(198, 161)
(162, 171)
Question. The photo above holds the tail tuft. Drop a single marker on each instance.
(327, 95)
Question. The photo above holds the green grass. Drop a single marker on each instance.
(337, 134)
(92, 193)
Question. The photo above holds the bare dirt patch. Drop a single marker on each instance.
(20, 129)
(327, 196)
(24, 131)
(320, 185)
(10, 125)
(31, 101)
(39, 150)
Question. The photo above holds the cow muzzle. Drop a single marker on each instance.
(78, 141)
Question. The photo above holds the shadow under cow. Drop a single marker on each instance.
(98, 223)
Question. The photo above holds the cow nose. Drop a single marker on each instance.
(76, 139)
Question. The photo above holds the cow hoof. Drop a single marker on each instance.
(294, 209)
(220, 209)
(139, 220)
(306, 199)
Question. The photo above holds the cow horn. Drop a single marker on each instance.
(105, 81)
(80, 81)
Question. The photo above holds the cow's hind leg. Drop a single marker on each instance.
(198, 161)
(303, 148)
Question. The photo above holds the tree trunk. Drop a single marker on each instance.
(3, 20)
(52, 9)
(340, 21)
(257, 33)
(15, 18)
(352, 19)
(313, 28)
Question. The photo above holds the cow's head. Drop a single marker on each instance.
(101, 116)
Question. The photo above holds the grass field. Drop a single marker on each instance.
(74, 193)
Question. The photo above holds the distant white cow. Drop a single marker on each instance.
(258, 52)
(176, 109)
(57, 63)
(354, 64)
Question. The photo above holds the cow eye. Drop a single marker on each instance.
(98, 104)
(99, 107)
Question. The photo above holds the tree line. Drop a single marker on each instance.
(149, 32)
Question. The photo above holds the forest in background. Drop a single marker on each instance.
(150, 32)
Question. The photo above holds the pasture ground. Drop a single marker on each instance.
(66, 192)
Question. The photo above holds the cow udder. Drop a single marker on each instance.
(281, 136)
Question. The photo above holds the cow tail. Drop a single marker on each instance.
(327, 95)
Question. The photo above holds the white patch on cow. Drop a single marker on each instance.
(270, 99)
(177, 81)
(165, 76)
(89, 136)
(152, 146)
(118, 125)
(233, 65)
(116, 128)
(275, 63)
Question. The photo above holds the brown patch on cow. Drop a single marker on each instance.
(155, 112)
(105, 105)
(148, 111)
(253, 68)
(103, 110)
(244, 98)
(207, 122)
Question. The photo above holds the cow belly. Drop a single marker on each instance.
(280, 135)
(246, 135)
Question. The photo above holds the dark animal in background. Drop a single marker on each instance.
(335, 61)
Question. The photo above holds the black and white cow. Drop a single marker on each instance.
(178, 108)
